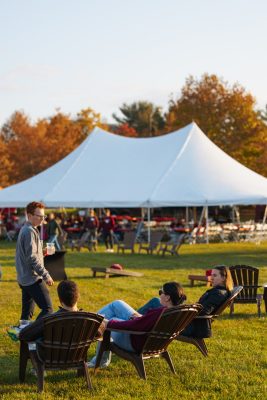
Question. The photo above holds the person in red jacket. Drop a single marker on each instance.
(91, 225)
(107, 226)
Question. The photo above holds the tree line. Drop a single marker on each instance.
(227, 114)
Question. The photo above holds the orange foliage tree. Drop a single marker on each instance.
(28, 149)
(226, 114)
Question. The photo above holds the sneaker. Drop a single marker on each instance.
(92, 362)
(33, 372)
(111, 250)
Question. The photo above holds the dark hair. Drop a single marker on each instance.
(68, 293)
(31, 207)
(225, 273)
(175, 291)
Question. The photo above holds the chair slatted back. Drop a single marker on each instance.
(177, 242)
(129, 239)
(155, 238)
(67, 337)
(170, 323)
(248, 277)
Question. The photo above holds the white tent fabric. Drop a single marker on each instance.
(183, 168)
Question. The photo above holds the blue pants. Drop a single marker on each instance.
(53, 239)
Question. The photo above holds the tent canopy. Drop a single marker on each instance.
(183, 168)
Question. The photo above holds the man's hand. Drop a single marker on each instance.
(49, 281)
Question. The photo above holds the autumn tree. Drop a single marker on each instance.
(226, 114)
(143, 116)
(125, 130)
(88, 119)
(31, 148)
(5, 164)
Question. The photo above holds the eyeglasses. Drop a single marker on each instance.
(40, 216)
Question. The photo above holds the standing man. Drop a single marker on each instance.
(31, 273)
(107, 226)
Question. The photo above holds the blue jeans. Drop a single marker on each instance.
(37, 293)
(53, 239)
(152, 303)
(119, 311)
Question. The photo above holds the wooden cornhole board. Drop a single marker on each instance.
(201, 278)
(112, 271)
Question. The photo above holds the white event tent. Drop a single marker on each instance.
(183, 168)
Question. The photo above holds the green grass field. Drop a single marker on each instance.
(237, 364)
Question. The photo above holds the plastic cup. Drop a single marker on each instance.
(50, 249)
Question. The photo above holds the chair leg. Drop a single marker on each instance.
(104, 346)
(40, 376)
(259, 300)
(87, 376)
(23, 359)
(167, 357)
(201, 345)
(138, 362)
(232, 308)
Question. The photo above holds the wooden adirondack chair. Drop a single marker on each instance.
(199, 342)
(155, 239)
(167, 327)
(128, 242)
(172, 246)
(248, 277)
(67, 337)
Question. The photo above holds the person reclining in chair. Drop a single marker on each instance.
(120, 315)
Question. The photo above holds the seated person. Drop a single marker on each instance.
(222, 284)
(120, 315)
(68, 294)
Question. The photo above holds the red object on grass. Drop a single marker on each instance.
(116, 266)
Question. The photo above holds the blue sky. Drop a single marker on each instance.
(74, 54)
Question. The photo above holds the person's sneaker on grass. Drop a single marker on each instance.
(33, 372)
(92, 362)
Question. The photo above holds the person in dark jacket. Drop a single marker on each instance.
(91, 225)
(212, 299)
(107, 226)
(53, 230)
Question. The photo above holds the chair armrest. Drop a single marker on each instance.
(206, 316)
(126, 331)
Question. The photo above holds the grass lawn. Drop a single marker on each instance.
(237, 364)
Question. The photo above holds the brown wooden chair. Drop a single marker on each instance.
(172, 246)
(167, 327)
(199, 342)
(67, 337)
(155, 239)
(248, 277)
(128, 242)
(84, 242)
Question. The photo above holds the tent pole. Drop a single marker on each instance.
(148, 225)
(186, 216)
(207, 224)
